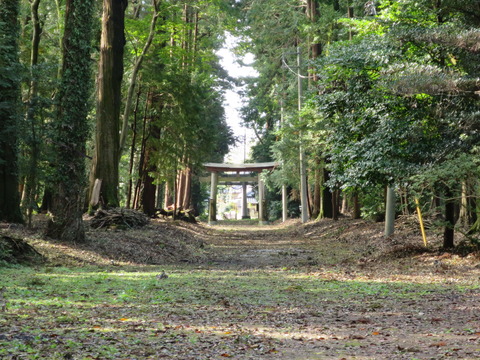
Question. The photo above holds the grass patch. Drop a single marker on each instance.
(113, 313)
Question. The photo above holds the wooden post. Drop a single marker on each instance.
(390, 211)
(420, 220)
(95, 199)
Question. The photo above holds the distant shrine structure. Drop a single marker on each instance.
(241, 174)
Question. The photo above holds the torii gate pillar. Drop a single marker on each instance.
(212, 205)
(245, 214)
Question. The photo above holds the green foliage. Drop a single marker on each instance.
(393, 97)
(181, 71)
(373, 203)
(389, 102)
(449, 173)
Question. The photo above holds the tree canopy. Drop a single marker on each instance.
(389, 95)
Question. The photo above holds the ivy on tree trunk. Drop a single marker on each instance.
(71, 128)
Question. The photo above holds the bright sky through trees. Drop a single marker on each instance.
(234, 100)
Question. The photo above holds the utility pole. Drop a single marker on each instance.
(303, 170)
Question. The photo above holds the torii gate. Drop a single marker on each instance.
(216, 168)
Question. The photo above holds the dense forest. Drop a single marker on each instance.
(119, 103)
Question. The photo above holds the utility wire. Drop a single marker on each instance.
(294, 72)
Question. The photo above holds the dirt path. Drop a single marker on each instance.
(251, 246)
(360, 306)
(325, 290)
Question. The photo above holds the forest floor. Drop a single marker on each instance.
(172, 290)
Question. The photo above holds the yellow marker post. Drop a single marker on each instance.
(420, 219)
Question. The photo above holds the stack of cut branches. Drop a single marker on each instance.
(118, 218)
(14, 251)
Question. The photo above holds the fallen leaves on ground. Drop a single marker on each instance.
(318, 291)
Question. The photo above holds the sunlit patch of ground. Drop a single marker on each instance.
(325, 290)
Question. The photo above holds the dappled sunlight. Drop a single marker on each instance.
(245, 313)
(316, 291)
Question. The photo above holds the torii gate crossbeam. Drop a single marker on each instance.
(216, 168)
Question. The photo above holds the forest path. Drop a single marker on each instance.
(348, 293)
(243, 244)
(327, 290)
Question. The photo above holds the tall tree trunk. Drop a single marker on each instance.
(9, 115)
(46, 205)
(335, 204)
(195, 36)
(71, 129)
(149, 191)
(187, 192)
(327, 202)
(464, 212)
(109, 83)
(315, 49)
(147, 165)
(475, 208)
(467, 214)
(141, 162)
(29, 193)
(185, 41)
(168, 196)
(449, 232)
(180, 181)
(317, 189)
(356, 205)
(132, 150)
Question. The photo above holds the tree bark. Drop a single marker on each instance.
(187, 194)
(327, 202)
(29, 192)
(475, 209)
(9, 115)
(315, 48)
(168, 198)
(356, 206)
(109, 82)
(180, 189)
(132, 151)
(317, 190)
(149, 192)
(147, 164)
(335, 204)
(449, 231)
(71, 128)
